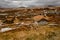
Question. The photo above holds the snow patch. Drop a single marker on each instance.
(5, 29)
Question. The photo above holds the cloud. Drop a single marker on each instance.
(27, 3)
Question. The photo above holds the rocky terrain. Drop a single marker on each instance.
(30, 23)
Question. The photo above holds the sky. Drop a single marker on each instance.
(27, 3)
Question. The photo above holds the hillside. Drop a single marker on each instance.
(30, 23)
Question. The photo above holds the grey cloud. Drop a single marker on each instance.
(27, 3)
